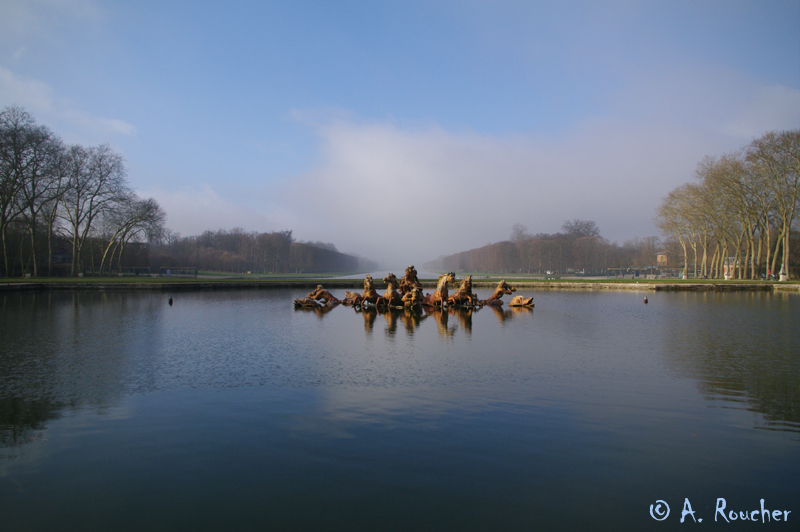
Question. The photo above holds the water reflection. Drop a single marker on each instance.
(743, 356)
(505, 314)
(446, 418)
(319, 310)
(22, 420)
(411, 318)
(68, 351)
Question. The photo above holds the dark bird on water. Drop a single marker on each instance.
(645, 301)
(170, 301)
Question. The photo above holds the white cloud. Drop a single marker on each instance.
(405, 195)
(41, 100)
(101, 125)
(25, 92)
(192, 211)
(411, 195)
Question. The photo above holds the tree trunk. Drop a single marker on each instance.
(32, 231)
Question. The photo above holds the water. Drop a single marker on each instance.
(232, 410)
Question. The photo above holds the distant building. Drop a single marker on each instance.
(730, 268)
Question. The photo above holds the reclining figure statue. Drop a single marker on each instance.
(501, 289)
(320, 294)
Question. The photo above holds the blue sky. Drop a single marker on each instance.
(406, 130)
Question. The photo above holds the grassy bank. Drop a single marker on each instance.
(288, 281)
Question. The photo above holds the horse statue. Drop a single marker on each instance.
(463, 295)
(370, 295)
(391, 297)
(320, 294)
(521, 301)
(502, 288)
(439, 297)
(409, 281)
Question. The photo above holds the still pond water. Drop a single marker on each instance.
(231, 410)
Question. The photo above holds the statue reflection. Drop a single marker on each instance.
(391, 315)
(464, 316)
(411, 318)
(501, 313)
(412, 314)
(504, 315)
(520, 311)
(369, 314)
(319, 310)
(440, 317)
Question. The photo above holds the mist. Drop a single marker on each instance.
(401, 194)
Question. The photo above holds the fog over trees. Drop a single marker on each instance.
(578, 247)
(240, 251)
(741, 215)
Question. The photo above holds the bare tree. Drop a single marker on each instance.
(21, 157)
(519, 233)
(776, 157)
(145, 223)
(130, 219)
(580, 228)
(42, 183)
(96, 181)
(671, 219)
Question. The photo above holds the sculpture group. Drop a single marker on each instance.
(407, 293)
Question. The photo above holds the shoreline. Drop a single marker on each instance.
(357, 284)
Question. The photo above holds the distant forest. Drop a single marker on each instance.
(578, 248)
(739, 219)
(239, 251)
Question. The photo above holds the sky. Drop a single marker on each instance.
(406, 130)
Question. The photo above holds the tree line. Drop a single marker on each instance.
(59, 201)
(51, 192)
(741, 214)
(240, 251)
(577, 248)
(68, 210)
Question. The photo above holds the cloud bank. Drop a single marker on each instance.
(45, 104)
(410, 195)
(407, 194)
